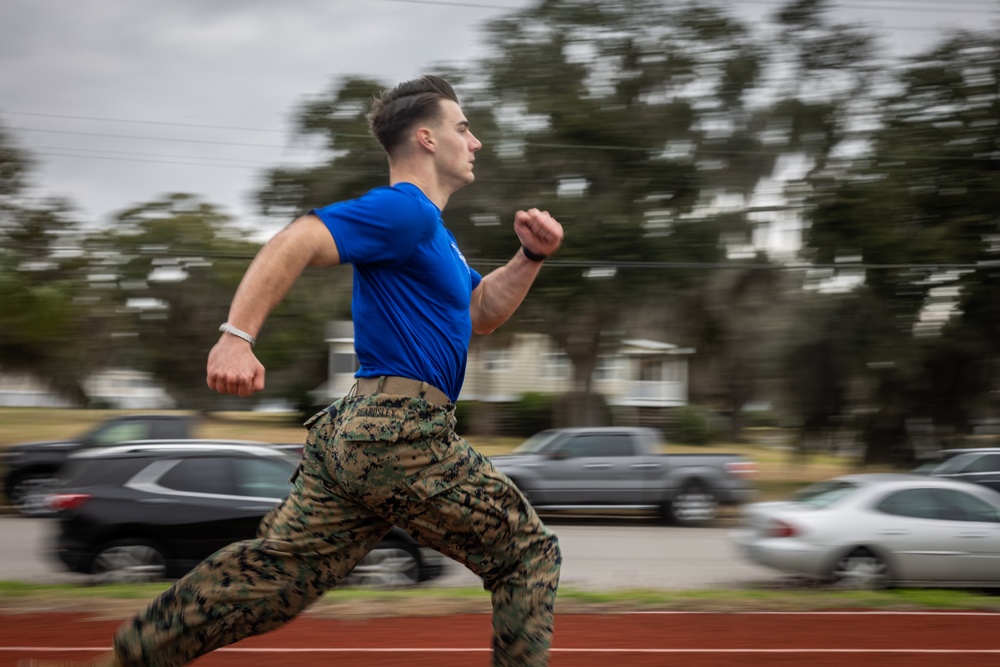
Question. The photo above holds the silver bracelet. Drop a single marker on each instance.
(228, 328)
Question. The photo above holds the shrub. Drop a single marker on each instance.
(692, 425)
(532, 413)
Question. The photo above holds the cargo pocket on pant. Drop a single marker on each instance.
(443, 475)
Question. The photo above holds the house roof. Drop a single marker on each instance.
(645, 346)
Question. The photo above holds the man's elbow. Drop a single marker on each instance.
(484, 328)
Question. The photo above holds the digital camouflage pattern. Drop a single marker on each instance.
(369, 462)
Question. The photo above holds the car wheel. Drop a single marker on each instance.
(28, 493)
(129, 561)
(395, 566)
(861, 569)
(695, 505)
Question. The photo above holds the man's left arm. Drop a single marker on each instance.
(502, 291)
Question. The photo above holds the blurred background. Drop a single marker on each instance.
(777, 214)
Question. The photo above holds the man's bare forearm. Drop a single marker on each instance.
(501, 292)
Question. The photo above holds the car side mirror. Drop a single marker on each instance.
(559, 455)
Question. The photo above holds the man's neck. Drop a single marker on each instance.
(428, 183)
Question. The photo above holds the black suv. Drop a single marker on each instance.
(151, 511)
(980, 466)
(31, 468)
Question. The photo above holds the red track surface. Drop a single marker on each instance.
(582, 640)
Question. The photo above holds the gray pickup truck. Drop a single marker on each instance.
(612, 468)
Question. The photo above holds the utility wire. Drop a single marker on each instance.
(141, 138)
(146, 160)
(935, 7)
(990, 157)
(625, 264)
(139, 122)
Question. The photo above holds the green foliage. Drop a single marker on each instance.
(692, 425)
(926, 195)
(532, 413)
(465, 417)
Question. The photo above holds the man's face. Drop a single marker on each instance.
(456, 145)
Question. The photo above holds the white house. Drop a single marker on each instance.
(640, 373)
(117, 388)
(127, 389)
(23, 390)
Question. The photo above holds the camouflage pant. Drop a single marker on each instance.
(381, 460)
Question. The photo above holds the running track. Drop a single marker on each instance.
(860, 639)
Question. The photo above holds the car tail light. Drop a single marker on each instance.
(778, 528)
(742, 469)
(67, 501)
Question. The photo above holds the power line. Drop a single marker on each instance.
(699, 153)
(627, 264)
(244, 162)
(139, 122)
(127, 159)
(934, 6)
(146, 138)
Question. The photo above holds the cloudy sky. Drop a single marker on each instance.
(121, 101)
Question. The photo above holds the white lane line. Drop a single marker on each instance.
(811, 613)
(917, 651)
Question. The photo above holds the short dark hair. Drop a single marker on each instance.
(396, 110)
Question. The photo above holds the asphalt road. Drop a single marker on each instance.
(597, 555)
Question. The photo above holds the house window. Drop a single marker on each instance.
(555, 366)
(496, 361)
(344, 363)
(673, 371)
(651, 370)
(608, 367)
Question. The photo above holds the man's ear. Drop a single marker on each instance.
(425, 139)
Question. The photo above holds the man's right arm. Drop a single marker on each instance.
(232, 366)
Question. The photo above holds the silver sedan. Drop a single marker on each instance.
(877, 530)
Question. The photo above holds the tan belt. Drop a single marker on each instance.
(400, 386)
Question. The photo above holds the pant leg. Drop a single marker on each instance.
(303, 548)
(485, 522)
(401, 458)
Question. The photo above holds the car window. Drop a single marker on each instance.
(537, 443)
(201, 475)
(961, 506)
(98, 472)
(918, 503)
(927, 467)
(262, 478)
(824, 494)
(984, 463)
(117, 432)
(604, 444)
(956, 464)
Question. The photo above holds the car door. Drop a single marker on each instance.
(926, 543)
(215, 500)
(977, 530)
(593, 469)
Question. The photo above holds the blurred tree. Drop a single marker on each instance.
(628, 119)
(920, 211)
(47, 316)
(356, 163)
(177, 262)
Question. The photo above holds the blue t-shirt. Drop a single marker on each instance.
(412, 286)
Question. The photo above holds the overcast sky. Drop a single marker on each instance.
(108, 95)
